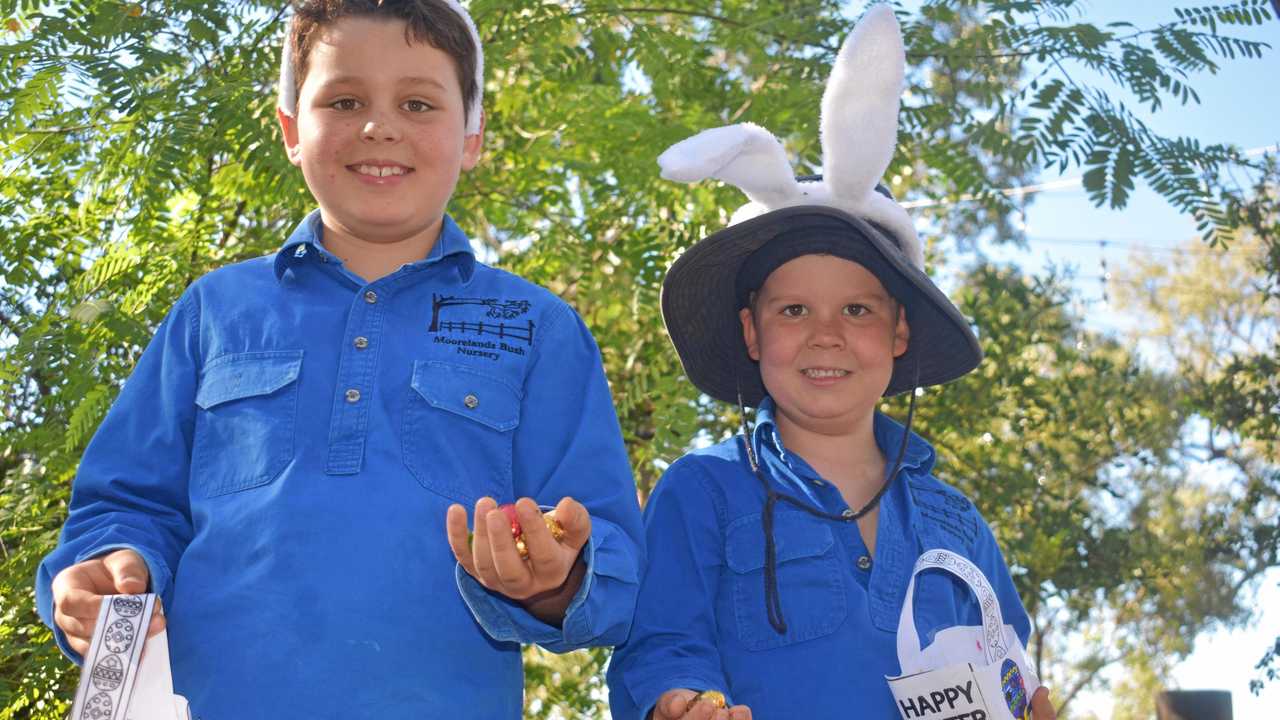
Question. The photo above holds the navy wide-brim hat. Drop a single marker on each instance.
(705, 288)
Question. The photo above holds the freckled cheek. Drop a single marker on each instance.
(333, 163)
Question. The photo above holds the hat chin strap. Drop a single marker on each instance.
(772, 599)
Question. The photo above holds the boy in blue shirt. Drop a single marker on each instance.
(288, 465)
(780, 559)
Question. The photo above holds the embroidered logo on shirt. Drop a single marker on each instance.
(488, 336)
(948, 510)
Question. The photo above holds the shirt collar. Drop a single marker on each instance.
(765, 434)
(306, 239)
(888, 432)
(899, 523)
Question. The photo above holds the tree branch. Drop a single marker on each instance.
(1083, 683)
(75, 128)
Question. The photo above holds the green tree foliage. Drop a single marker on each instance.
(139, 151)
(1245, 397)
(1070, 447)
(1209, 315)
(1240, 395)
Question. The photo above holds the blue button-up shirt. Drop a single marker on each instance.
(701, 621)
(283, 455)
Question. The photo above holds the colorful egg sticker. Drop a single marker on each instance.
(1013, 689)
(127, 605)
(108, 673)
(97, 708)
(119, 636)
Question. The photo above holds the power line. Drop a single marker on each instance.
(1139, 244)
(1051, 186)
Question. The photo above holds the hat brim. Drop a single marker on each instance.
(700, 309)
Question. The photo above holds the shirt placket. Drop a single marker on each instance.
(828, 499)
(895, 557)
(856, 550)
(357, 365)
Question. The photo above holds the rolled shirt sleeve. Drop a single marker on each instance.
(130, 490)
(569, 444)
(673, 640)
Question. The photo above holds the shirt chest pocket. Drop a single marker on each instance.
(244, 431)
(814, 602)
(458, 431)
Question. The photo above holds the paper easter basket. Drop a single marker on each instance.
(967, 672)
(126, 675)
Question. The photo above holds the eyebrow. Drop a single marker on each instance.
(412, 81)
(423, 81)
(857, 297)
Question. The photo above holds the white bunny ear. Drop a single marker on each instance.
(860, 105)
(744, 155)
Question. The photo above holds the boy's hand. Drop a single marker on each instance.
(548, 580)
(1042, 706)
(78, 591)
(680, 704)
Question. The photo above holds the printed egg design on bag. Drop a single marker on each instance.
(119, 636)
(1013, 689)
(108, 673)
(127, 605)
(97, 708)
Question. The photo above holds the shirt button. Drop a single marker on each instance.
(370, 297)
(864, 563)
(361, 343)
(848, 513)
(816, 482)
(471, 401)
(353, 395)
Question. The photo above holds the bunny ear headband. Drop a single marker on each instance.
(288, 88)
(845, 213)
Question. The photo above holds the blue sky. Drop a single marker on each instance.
(1064, 229)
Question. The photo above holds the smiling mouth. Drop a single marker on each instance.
(380, 170)
(823, 373)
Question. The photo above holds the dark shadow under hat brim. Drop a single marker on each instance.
(700, 307)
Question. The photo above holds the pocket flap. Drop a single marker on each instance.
(242, 375)
(795, 535)
(470, 394)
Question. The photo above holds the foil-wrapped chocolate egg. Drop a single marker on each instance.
(517, 532)
(715, 697)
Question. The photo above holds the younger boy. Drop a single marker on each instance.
(780, 559)
(285, 464)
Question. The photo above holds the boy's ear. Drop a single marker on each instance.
(289, 128)
(749, 333)
(901, 333)
(472, 145)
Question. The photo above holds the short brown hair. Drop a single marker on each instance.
(426, 21)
